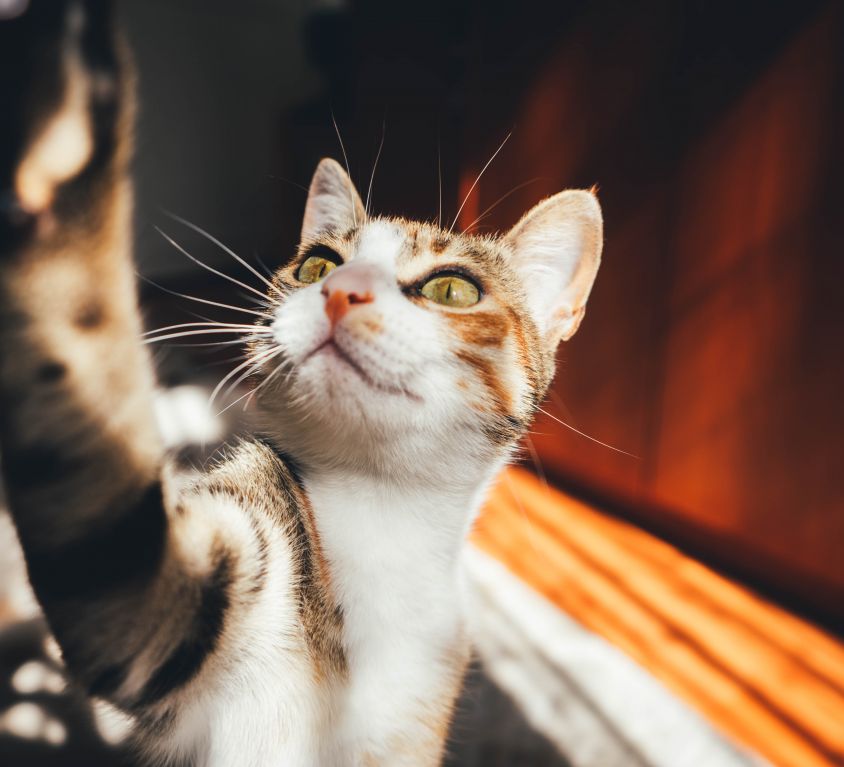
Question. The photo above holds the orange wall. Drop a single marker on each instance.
(712, 348)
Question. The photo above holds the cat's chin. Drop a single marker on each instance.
(342, 372)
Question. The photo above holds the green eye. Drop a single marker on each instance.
(314, 268)
(451, 290)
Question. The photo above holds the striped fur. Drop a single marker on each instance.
(298, 604)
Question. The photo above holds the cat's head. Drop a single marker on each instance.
(403, 342)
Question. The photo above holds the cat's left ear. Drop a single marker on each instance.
(334, 204)
(557, 249)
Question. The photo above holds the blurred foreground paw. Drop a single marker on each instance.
(59, 87)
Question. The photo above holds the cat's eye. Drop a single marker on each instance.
(314, 268)
(451, 290)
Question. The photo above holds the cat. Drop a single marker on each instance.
(298, 604)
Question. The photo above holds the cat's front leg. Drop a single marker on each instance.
(81, 456)
(137, 585)
(76, 425)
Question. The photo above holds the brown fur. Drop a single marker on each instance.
(482, 328)
(501, 400)
(145, 578)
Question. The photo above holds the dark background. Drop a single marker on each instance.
(712, 349)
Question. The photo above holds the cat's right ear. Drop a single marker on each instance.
(557, 245)
(334, 204)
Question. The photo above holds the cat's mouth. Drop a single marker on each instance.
(332, 348)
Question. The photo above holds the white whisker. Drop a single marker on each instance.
(472, 188)
(248, 363)
(534, 456)
(375, 166)
(348, 169)
(271, 375)
(439, 182)
(267, 270)
(208, 331)
(242, 397)
(242, 262)
(258, 360)
(209, 323)
(232, 404)
(497, 203)
(203, 300)
(209, 268)
(236, 342)
(583, 434)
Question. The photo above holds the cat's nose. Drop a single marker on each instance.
(346, 286)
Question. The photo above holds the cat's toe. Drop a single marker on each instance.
(60, 88)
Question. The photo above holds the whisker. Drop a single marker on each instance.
(483, 170)
(208, 331)
(204, 317)
(248, 363)
(210, 323)
(248, 395)
(203, 300)
(439, 182)
(267, 270)
(209, 268)
(583, 434)
(289, 181)
(375, 165)
(275, 372)
(348, 169)
(263, 383)
(225, 248)
(232, 404)
(198, 346)
(537, 464)
(254, 369)
(561, 405)
(264, 303)
(498, 202)
(220, 363)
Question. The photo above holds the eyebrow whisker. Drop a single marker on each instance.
(375, 165)
(498, 202)
(472, 188)
(348, 169)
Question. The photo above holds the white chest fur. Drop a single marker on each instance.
(393, 557)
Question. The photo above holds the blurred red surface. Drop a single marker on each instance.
(711, 348)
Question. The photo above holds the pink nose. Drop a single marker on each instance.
(348, 285)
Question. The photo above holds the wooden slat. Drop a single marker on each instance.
(771, 680)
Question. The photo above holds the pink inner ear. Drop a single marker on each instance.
(333, 202)
(558, 245)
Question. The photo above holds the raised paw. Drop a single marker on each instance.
(60, 87)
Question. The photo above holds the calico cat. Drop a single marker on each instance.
(299, 603)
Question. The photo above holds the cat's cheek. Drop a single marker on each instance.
(300, 325)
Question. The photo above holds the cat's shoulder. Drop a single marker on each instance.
(256, 473)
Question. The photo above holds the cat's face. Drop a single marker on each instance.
(399, 340)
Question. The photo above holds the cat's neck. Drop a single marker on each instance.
(393, 548)
(393, 552)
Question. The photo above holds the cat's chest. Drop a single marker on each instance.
(403, 657)
(392, 556)
(393, 574)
